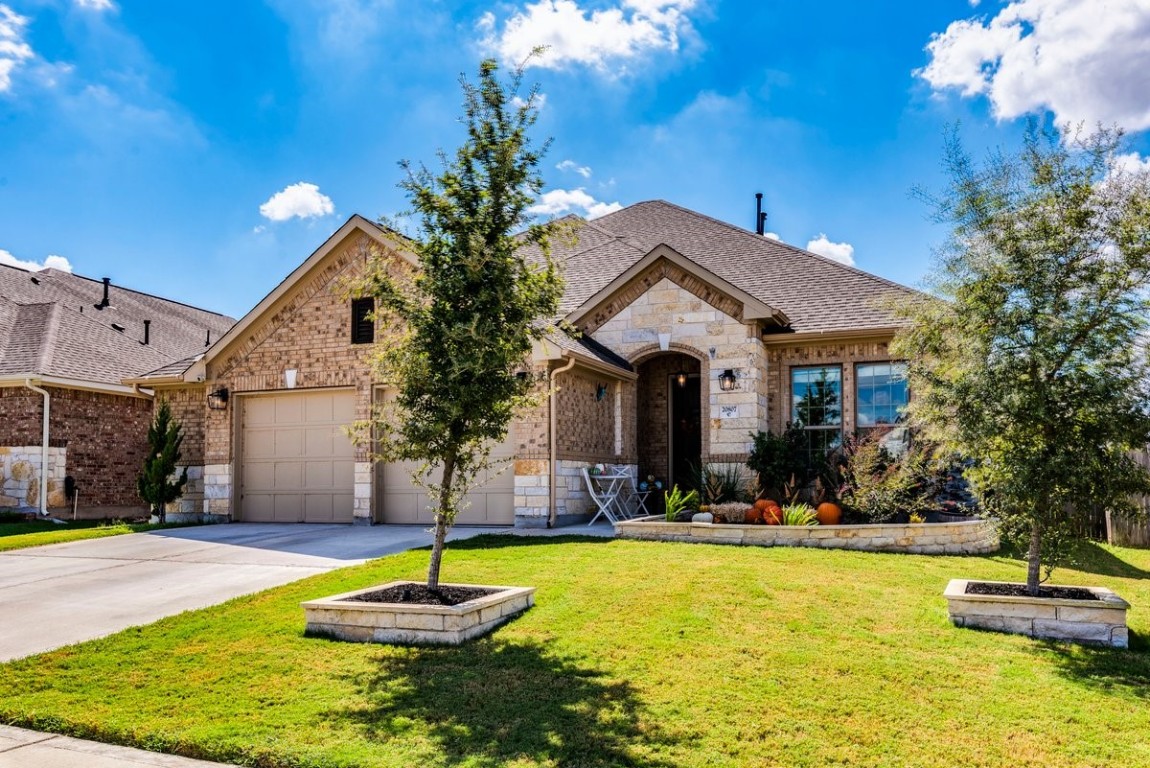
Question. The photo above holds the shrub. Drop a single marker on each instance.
(777, 459)
(675, 501)
(722, 483)
(877, 484)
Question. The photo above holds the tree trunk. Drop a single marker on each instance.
(441, 524)
(1034, 559)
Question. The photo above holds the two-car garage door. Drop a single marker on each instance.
(298, 465)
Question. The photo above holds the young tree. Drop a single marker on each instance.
(483, 292)
(1030, 360)
(155, 484)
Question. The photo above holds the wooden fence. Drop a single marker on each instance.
(1132, 532)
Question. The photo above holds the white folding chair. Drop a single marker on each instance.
(605, 498)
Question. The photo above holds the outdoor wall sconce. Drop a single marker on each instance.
(218, 400)
(600, 392)
(681, 378)
(727, 380)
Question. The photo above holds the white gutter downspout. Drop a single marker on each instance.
(553, 511)
(43, 446)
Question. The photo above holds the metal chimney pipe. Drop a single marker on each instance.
(147, 331)
(759, 213)
(208, 341)
(104, 301)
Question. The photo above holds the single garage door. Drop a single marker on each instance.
(297, 465)
(491, 503)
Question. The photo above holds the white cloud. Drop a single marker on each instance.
(51, 262)
(95, 5)
(602, 39)
(571, 165)
(840, 252)
(559, 201)
(13, 48)
(1073, 58)
(1132, 163)
(302, 200)
(774, 236)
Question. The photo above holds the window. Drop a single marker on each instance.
(816, 406)
(362, 321)
(882, 399)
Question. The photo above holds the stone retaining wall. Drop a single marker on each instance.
(972, 537)
(1101, 621)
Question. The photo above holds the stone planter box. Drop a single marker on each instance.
(973, 537)
(1099, 622)
(412, 624)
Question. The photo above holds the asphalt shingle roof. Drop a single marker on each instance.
(50, 326)
(816, 293)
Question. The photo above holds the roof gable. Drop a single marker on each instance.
(664, 262)
(313, 275)
(816, 294)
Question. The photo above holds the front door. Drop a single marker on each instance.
(686, 436)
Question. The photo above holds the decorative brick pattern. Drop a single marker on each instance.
(974, 537)
(1095, 622)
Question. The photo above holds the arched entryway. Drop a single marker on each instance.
(670, 418)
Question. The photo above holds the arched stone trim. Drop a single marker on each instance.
(652, 351)
(645, 353)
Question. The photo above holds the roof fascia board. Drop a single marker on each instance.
(355, 224)
(753, 309)
(18, 380)
(852, 334)
(544, 351)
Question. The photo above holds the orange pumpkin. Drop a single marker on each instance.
(762, 505)
(753, 515)
(773, 515)
(829, 513)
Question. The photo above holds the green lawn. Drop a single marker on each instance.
(35, 533)
(637, 654)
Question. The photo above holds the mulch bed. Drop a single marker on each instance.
(1019, 590)
(419, 594)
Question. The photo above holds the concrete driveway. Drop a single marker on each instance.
(66, 593)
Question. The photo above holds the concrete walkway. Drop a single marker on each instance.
(28, 749)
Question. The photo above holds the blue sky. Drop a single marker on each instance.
(202, 150)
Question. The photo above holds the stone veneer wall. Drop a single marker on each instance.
(974, 537)
(711, 334)
(20, 476)
(310, 332)
(781, 359)
(106, 437)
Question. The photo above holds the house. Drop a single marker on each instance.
(695, 333)
(66, 344)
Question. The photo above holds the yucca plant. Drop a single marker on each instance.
(675, 501)
(799, 514)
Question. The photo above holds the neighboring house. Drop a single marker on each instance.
(66, 344)
(695, 334)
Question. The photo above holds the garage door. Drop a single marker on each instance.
(491, 503)
(297, 465)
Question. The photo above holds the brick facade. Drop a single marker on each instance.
(105, 436)
(308, 330)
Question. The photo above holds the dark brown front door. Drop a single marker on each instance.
(685, 432)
